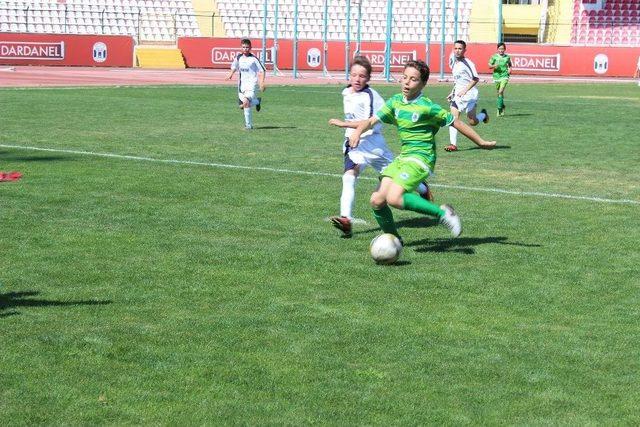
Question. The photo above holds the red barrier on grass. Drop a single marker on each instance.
(554, 61)
(64, 49)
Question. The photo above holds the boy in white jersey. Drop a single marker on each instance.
(360, 103)
(464, 96)
(250, 78)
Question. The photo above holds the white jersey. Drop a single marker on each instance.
(248, 67)
(372, 149)
(464, 72)
(361, 106)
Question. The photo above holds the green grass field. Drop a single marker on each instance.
(193, 278)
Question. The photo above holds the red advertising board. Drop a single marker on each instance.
(64, 49)
(527, 58)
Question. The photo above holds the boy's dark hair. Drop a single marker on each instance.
(462, 42)
(502, 44)
(245, 41)
(421, 66)
(362, 61)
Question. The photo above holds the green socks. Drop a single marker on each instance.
(413, 202)
(384, 216)
(500, 102)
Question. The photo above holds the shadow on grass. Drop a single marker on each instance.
(6, 156)
(417, 222)
(35, 158)
(274, 127)
(464, 245)
(13, 300)
(516, 115)
(497, 147)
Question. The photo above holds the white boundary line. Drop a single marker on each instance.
(333, 175)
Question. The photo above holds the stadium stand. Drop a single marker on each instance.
(245, 18)
(593, 22)
(608, 22)
(146, 20)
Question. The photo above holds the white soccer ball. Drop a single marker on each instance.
(385, 249)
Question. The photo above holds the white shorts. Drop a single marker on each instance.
(371, 151)
(247, 95)
(465, 103)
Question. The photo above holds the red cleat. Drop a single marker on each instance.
(451, 148)
(10, 176)
(343, 224)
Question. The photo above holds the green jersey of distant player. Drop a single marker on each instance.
(417, 121)
(502, 64)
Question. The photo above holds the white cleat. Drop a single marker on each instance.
(451, 220)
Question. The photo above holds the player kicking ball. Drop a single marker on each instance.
(251, 78)
(360, 101)
(418, 120)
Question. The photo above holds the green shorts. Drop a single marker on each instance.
(408, 172)
(501, 84)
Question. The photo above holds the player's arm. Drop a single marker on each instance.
(492, 63)
(231, 73)
(470, 133)
(261, 77)
(343, 124)
(362, 127)
(470, 86)
(452, 94)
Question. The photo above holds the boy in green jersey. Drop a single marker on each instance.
(418, 120)
(500, 63)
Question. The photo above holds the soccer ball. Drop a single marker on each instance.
(385, 249)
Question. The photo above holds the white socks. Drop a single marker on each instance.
(453, 136)
(247, 117)
(348, 195)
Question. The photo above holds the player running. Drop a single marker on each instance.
(360, 102)
(500, 63)
(250, 78)
(418, 120)
(464, 95)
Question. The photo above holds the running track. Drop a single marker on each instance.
(35, 76)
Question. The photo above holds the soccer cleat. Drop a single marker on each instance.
(486, 115)
(451, 220)
(10, 176)
(451, 148)
(248, 127)
(428, 195)
(259, 104)
(343, 224)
